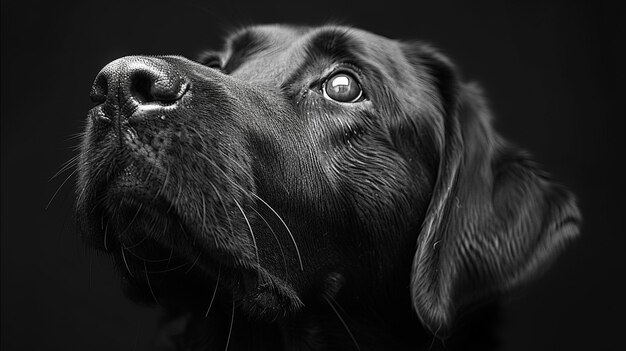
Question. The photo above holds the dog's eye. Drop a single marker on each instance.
(342, 87)
(214, 62)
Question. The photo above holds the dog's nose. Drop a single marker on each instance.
(138, 81)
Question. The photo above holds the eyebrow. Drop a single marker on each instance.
(336, 43)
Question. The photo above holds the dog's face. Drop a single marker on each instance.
(300, 166)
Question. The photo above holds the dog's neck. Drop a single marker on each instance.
(329, 325)
(319, 328)
(334, 325)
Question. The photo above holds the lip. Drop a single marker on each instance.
(136, 211)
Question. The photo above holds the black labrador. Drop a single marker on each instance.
(310, 189)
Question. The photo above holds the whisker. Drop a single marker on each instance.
(79, 198)
(436, 333)
(169, 259)
(203, 213)
(219, 272)
(166, 270)
(139, 242)
(230, 223)
(60, 186)
(266, 204)
(132, 220)
(106, 230)
(204, 219)
(77, 147)
(145, 268)
(194, 263)
(286, 227)
(182, 229)
(280, 247)
(145, 259)
(176, 200)
(75, 136)
(162, 188)
(65, 166)
(342, 321)
(256, 249)
(230, 329)
(81, 194)
(126, 262)
(432, 343)
(215, 166)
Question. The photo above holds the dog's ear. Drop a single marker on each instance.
(494, 219)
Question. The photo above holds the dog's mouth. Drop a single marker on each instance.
(166, 254)
(140, 220)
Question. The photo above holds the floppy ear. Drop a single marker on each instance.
(494, 219)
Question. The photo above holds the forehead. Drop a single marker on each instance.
(275, 51)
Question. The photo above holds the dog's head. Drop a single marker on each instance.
(301, 165)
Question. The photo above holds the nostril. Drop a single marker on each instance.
(141, 87)
(99, 89)
(147, 86)
(129, 82)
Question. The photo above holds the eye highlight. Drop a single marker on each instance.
(342, 87)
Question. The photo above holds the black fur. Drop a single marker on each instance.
(263, 216)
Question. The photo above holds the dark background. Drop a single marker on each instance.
(550, 69)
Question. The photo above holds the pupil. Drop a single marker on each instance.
(343, 88)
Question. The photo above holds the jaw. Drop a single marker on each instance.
(162, 259)
(191, 286)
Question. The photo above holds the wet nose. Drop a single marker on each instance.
(138, 81)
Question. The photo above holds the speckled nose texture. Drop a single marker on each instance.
(134, 82)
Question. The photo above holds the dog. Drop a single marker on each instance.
(310, 188)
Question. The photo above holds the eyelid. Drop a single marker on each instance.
(213, 61)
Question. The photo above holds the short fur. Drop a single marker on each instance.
(262, 215)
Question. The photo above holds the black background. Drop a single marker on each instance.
(550, 69)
